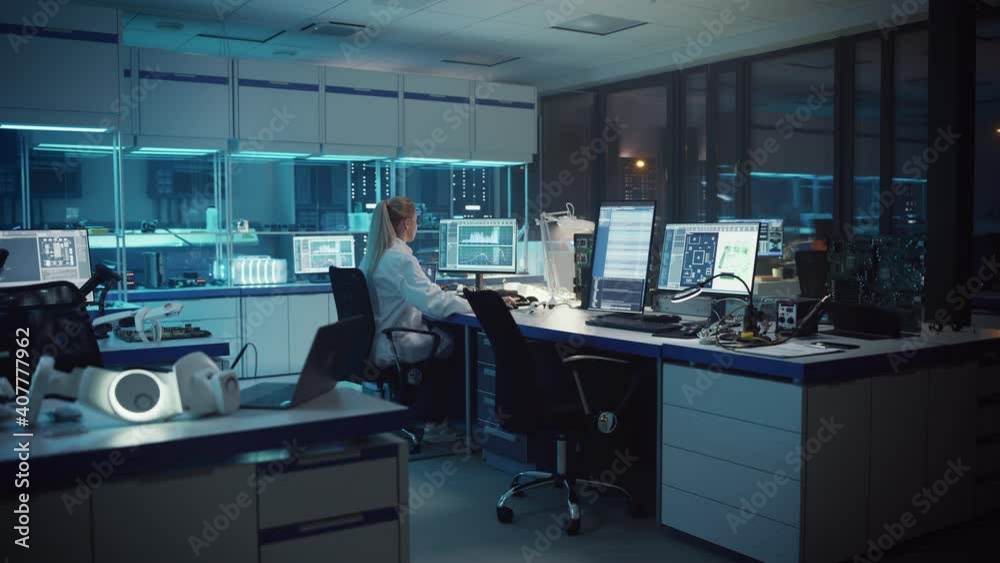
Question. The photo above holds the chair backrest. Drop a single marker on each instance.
(350, 293)
(517, 398)
(53, 316)
(811, 267)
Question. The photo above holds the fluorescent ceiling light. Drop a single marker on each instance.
(166, 151)
(72, 148)
(422, 160)
(484, 163)
(270, 155)
(342, 158)
(54, 128)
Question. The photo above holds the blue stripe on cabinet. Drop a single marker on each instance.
(304, 530)
(56, 33)
(505, 104)
(183, 77)
(380, 452)
(362, 91)
(279, 85)
(435, 97)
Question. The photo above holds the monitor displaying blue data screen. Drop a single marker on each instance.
(621, 256)
(315, 254)
(694, 252)
(478, 246)
(45, 256)
(771, 239)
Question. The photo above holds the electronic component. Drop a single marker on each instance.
(693, 253)
(130, 334)
(800, 315)
(478, 246)
(252, 270)
(583, 250)
(315, 254)
(884, 271)
(622, 241)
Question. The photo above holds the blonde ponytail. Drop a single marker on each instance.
(388, 214)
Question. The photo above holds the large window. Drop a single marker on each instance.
(909, 207)
(791, 152)
(572, 148)
(696, 201)
(637, 163)
(987, 192)
(867, 144)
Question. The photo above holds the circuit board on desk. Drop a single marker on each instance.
(882, 271)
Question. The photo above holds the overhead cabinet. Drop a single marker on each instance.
(362, 111)
(506, 121)
(437, 117)
(277, 101)
(67, 64)
(187, 95)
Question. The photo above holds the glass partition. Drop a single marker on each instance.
(280, 198)
(468, 189)
(12, 211)
(173, 216)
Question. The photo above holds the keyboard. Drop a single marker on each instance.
(637, 323)
(130, 334)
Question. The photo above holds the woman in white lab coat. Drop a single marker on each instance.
(401, 295)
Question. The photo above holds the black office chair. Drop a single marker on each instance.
(350, 292)
(52, 319)
(524, 406)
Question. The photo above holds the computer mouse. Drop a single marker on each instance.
(65, 414)
(532, 299)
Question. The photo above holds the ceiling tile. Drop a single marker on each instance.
(382, 12)
(535, 16)
(478, 9)
(154, 40)
(219, 47)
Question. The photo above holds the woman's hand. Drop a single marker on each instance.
(511, 302)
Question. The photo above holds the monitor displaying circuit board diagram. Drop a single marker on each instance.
(693, 253)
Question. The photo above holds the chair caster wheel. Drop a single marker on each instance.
(573, 528)
(505, 515)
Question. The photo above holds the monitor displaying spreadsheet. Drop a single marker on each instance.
(478, 246)
(622, 241)
(315, 254)
(694, 252)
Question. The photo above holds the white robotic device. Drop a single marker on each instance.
(195, 387)
(152, 315)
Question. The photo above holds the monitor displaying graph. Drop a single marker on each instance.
(478, 246)
(315, 254)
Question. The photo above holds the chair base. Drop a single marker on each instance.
(505, 514)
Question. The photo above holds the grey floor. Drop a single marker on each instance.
(457, 524)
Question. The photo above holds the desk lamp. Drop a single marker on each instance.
(557, 230)
(749, 318)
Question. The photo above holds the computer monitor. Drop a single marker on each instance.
(38, 256)
(478, 246)
(622, 241)
(771, 235)
(315, 254)
(692, 253)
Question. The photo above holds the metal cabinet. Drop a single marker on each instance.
(190, 96)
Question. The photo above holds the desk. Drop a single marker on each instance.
(270, 485)
(118, 353)
(805, 459)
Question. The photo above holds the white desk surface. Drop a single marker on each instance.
(568, 326)
(113, 344)
(343, 413)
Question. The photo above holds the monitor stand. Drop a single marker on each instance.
(479, 282)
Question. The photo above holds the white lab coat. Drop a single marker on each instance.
(401, 295)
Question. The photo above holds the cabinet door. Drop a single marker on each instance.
(265, 324)
(68, 63)
(306, 314)
(190, 95)
(281, 98)
(206, 516)
(505, 120)
(362, 108)
(437, 117)
(59, 525)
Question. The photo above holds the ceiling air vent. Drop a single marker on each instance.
(596, 24)
(480, 60)
(332, 29)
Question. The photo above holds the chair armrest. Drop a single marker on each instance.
(436, 343)
(572, 362)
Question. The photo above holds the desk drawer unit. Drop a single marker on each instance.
(339, 539)
(728, 471)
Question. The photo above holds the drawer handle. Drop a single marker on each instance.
(331, 523)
